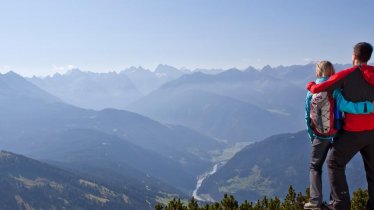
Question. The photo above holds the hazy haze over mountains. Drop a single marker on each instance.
(232, 105)
(168, 128)
(90, 90)
(31, 119)
(209, 103)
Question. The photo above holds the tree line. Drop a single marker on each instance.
(292, 201)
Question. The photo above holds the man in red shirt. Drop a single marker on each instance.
(357, 135)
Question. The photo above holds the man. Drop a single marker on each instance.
(357, 84)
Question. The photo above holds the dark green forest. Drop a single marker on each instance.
(292, 201)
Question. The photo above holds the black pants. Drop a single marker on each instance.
(345, 146)
(320, 148)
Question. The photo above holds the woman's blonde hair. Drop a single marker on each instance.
(324, 69)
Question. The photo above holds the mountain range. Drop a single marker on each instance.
(158, 133)
(35, 123)
(233, 105)
(147, 81)
(90, 90)
(230, 106)
(98, 91)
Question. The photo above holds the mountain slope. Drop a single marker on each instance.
(233, 105)
(269, 167)
(219, 116)
(251, 86)
(12, 85)
(84, 148)
(30, 184)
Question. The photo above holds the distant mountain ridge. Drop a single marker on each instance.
(250, 103)
(116, 90)
(147, 81)
(276, 90)
(90, 90)
(106, 90)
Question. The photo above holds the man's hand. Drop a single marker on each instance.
(310, 84)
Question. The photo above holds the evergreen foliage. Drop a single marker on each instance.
(359, 199)
(292, 201)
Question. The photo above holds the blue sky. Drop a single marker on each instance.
(42, 37)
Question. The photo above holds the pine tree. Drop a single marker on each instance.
(300, 201)
(205, 207)
(264, 203)
(290, 200)
(229, 202)
(193, 205)
(246, 206)
(274, 204)
(359, 199)
(216, 206)
(291, 196)
(258, 206)
(175, 205)
(159, 206)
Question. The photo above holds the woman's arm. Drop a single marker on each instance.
(307, 115)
